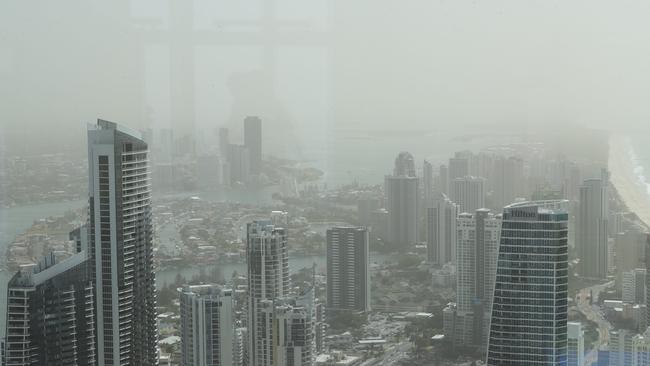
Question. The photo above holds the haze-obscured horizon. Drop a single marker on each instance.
(319, 71)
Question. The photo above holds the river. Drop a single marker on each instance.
(16, 220)
(168, 275)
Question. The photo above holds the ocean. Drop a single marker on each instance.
(364, 156)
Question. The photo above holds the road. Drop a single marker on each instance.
(592, 312)
(392, 355)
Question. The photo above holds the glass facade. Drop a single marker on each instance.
(529, 311)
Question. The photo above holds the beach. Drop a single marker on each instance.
(626, 176)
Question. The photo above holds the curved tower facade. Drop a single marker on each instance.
(267, 255)
(529, 309)
(121, 245)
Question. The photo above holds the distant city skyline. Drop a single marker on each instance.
(324, 183)
(461, 254)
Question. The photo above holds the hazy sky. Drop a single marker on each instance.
(449, 66)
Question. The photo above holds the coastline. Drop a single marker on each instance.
(631, 191)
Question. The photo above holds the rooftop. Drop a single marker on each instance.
(108, 125)
(550, 206)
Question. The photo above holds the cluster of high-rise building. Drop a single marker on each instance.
(510, 256)
(412, 205)
(99, 305)
(241, 162)
(283, 327)
(528, 316)
(511, 266)
(447, 211)
(178, 163)
(631, 346)
(511, 286)
(467, 319)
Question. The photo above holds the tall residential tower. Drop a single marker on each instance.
(476, 261)
(99, 305)
(267, 255)
(591, 228)
(468, 193)
(121, 245)
(207, 328)
(50, 314)
(253, 142)
(402, 192)
(441, 215)
(348, 273)
(427, 182)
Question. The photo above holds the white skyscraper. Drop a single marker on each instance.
(207, 332)
(476, 260)
(121, 246)
(575, 344)
(591, 228)
(441, 215)
(268, 279)
(468, 193)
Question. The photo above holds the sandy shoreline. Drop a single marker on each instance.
(621, 167)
